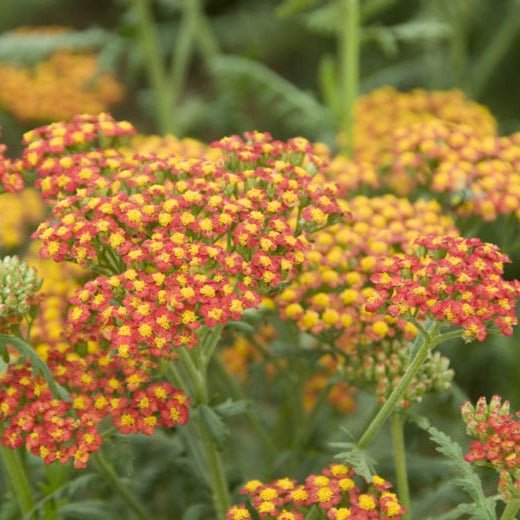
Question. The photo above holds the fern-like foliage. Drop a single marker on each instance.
(482, 508)
(300, 110)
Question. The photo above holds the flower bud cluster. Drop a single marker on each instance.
(63, 84)
(334, 492)
(19, 284)
(456, 281)
(497, 441)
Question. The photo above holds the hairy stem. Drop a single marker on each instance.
(106, 470)
(17, 478)
(398, 445)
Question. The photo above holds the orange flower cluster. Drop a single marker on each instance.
(497, 434)
(175, 244)
(454, 280)
(99, 386)
(64, 84)
(329, 299)
(186, 242)
(334, 492)
(437, 141)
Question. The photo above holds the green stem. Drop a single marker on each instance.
(429, 342)
(195, 365)
(183, 50)
(155, 65)
(108, 473)
(217, 475)
(396, 395)
(403, 490)
(511, 510)
(496, 49)
(17, 478)
(348, 39)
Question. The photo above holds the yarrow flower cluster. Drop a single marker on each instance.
(457, 281)
(100, 387)
(330, 299)
(434, 140)
(382, 111)
(497, 441)
(63, 84)
(334, 492)
(174, 244)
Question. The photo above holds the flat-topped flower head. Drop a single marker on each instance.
(497, 441)
(457, 281)
(337, 491)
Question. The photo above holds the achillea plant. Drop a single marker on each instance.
(456, 281)
(497, 442)
(330, 299)
(334, 492)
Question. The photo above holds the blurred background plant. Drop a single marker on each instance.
(295, 67)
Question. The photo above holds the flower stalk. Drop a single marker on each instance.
(18, 479)
(398, 445)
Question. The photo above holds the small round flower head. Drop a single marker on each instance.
(457, 281)
(497, 441)
(336, 492)
(19, 284)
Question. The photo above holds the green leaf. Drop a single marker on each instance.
(218, 429)
(229, 407)
(466, 478)
(282, 97)
(241, 326)
(84, 510)
(362, 463)
(38, 365)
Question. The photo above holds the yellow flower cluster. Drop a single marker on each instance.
(19, 212)
(327, 300)
(64, 84)
(383, 110)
